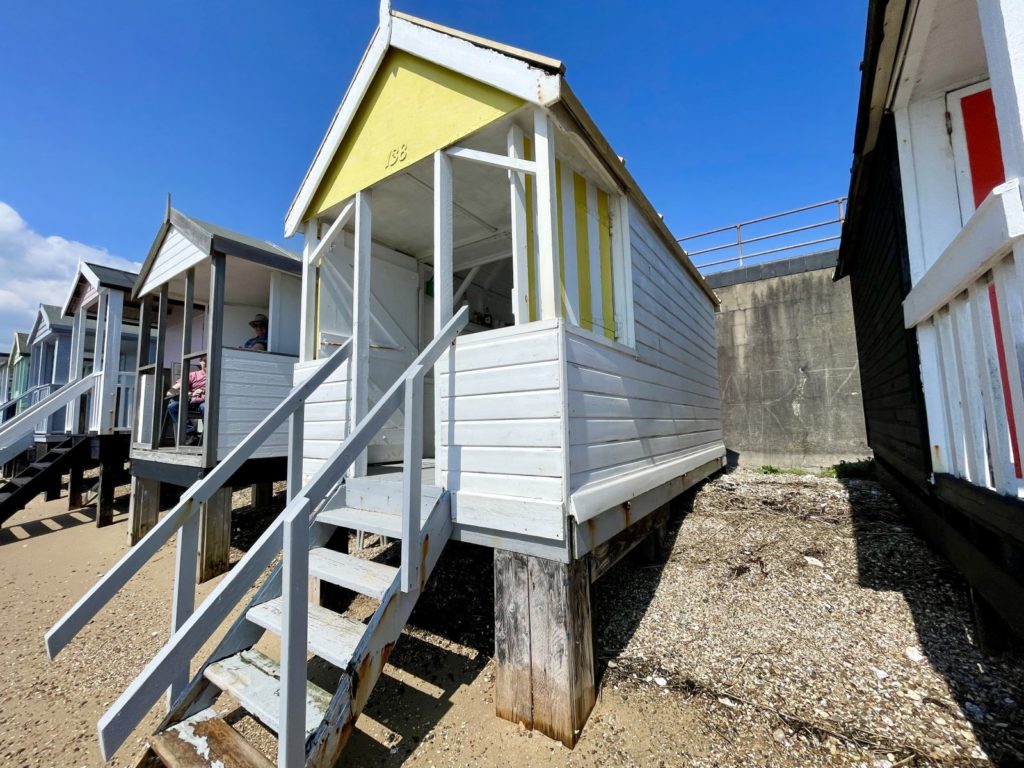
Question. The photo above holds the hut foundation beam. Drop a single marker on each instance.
(76, 487)
(543, 644)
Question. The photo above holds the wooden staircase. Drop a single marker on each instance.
(358, 650)
(312, 724)
(39, 476)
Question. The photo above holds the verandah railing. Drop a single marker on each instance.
(967, 309)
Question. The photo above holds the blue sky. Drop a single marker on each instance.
(723, 111)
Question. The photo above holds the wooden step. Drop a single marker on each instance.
(254, 680)
(363, 576)
(382, 523)
(330, 636)
(206, 740)
(385, 495)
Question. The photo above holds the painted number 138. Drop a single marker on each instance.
(396, 156)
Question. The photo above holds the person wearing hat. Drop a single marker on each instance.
(259, 341)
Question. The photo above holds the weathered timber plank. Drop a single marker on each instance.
(513, 692)
(210, 742)
(215, 535)
(561, 647)
(604, 557)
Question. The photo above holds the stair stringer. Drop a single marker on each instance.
(16, 448)
(243, 634)
(382, 632)
(54, 461)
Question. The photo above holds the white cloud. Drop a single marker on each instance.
(37, 269)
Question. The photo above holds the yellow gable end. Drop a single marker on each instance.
(412, 108)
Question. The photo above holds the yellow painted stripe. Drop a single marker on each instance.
(531, 250)
(604, 223)
(579, 186)
(561, 235)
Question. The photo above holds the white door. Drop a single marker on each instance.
(394, 288)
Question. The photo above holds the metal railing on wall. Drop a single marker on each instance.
(791, 238)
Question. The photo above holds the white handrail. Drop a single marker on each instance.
(85, 609)
(164, 669)
(26, 421)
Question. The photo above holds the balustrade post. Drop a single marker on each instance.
(412, 479)
(183, 602)
(291, 746)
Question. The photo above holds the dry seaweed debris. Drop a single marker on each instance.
(817, 627)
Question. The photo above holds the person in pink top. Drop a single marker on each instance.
(196, 398)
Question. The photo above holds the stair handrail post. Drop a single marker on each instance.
(95, 599)
(412, 477)
(44, 408)
(291, 745)
(186, 554)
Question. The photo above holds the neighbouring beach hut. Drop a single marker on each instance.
(5, 383)
(933, 246)
(501, 343)
(200, 287)
(49, 344)
(78, 384)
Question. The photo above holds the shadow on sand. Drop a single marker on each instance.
(892, 557)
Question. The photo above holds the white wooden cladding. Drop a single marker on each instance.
(325, 415)
(252, 384)
(980, 338)
(500, 421)
(628, 411)
(176, 254)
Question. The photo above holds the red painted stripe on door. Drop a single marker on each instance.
(1004, 376)
(984, 152)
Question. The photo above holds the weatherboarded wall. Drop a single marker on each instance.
(788, 365)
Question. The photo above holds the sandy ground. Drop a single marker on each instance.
(794, 621)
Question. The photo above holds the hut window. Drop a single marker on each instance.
(589, 257)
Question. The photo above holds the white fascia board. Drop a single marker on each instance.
(66, 307)
(531, 84)
(988, 236)
(365, 72)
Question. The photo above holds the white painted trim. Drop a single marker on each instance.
(961, 158)
(594, 498)
(521, 290)
(489, 158)
(360, 401)
(444, 255)
(547, 216)
(622, 270)
(508, 74)
(107, 394)
(361, 81)
(333, 231)
(908, 66)
(307, 329)
(988, 236)
(934, 401)
(1002, 30)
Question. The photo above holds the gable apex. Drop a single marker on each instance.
(531, 78)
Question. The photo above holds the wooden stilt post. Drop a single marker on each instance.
(108, 476)
(262, 495)
(144, 508)
(53, 491)
(76, 487)
(215, 535)
(543, 644)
